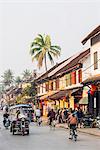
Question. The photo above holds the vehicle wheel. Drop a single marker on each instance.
(23, 133)
(27, 132)
(13, 132)
(10, 129)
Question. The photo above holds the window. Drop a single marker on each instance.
(57, 84)
(51, 85)
(80, 76)
(73, 77)
(95, 39)
(95, 60)
(47, 86)
(68, 79)
(42, 88)
(38, 89)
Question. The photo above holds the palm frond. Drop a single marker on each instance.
(56, 47)
(36, 56)
(33, 50)
(54, 53)
(42, 38)
(48, 41)
(50, 58)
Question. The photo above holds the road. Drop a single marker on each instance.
(42, 138)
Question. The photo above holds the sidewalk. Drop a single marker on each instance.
(91, 131)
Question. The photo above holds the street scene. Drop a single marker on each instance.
(46, 139)
(49, 75)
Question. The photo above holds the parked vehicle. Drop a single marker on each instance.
(98, 122)
(89, 121)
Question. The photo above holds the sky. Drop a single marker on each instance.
(66, 21)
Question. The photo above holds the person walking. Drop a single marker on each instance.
(38, 116)
(51, 116)
(80, 117)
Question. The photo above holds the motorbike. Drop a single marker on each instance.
(6, 123)
(98, 122)
(88, 121)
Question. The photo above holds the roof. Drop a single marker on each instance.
(94, 32)
(64, 65)
(44, 75)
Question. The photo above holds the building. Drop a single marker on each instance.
(93, 81)
(61, 86)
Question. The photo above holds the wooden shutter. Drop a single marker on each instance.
(95, 60)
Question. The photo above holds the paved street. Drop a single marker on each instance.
(42, 138)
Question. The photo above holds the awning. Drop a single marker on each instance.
(76, 92)
(58, 95)
(92, 80)
(83, 101)
(46, 96)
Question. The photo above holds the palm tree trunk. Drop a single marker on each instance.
(45, 62)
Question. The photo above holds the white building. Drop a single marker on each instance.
(94, 79)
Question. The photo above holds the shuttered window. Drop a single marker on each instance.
(73, 77)
(47, 86)
(51, 85)
(68, 79)
(95, 60)
(57, 84)
(80, 76)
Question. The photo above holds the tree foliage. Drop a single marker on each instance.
(41, 48)
(8, 78)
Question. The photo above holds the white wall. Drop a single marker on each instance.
(94, 48)
(86, 70)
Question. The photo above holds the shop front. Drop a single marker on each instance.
(93, 95)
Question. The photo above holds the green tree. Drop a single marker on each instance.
(41, 48)
(8, 78)
(26, 74)
(18, 80)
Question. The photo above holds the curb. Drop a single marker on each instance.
(80, 131)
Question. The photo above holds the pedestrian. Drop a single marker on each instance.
(80, 117)
(51, 116)
(37, 114)
(65, 115)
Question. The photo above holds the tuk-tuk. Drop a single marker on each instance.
(19, 120)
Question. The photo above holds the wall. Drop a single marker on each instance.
(86, 70)
(94, 48)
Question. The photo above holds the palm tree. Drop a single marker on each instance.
(8, 78)
(18, 80)
(41, 48)
(26, 74)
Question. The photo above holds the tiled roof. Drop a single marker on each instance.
(94, 32)
(66, 64)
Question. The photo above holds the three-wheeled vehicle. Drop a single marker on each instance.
(19, 120)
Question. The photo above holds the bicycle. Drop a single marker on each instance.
(73, 133)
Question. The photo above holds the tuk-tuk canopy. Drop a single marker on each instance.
(21, 106)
